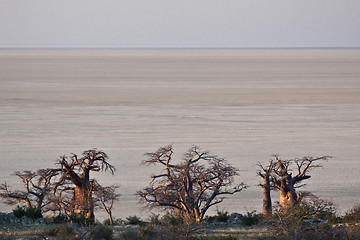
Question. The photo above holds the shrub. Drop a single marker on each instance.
(251, 218)
(130, 234)
(133, 220)
(64, 231)
(302, 220)
(29, 212)
(353, 215)
(61, 218)
(148, 232)
(101, 232)
(33, 213)
(222, 216)
(171, 219)
(19, 212)
(80, 219)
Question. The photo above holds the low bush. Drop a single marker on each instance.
(305, 220)
(19, 212)
(353, 215)
(80, 219)
(30, 212)
(171, 219)
(221, 216)
(251, 218)
(33, 213)
(148, 232)
(133, 220)
(101, 232)
(130, 234)
(64, 231)
(61, 218)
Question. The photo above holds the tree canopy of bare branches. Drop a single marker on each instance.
(66, 189)
(190, 187)
(105, 197)
(76, 170)
(286, 176)
(36, 189)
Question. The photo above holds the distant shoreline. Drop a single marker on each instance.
(179, 53)
(179, 48)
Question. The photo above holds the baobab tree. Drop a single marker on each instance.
(191, 186)
(287, 180)
(77, 170)
(266, 174)
(279, 175)
(36, 189)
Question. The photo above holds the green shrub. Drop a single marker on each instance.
(29, 212)
(353, 215)
(19, 212)
(171, 218)
(80, 219)
(148, 232)
(251, 218)
(101, 232)
(220, 217)
(133, 220)
(64, 231)
(33, 213)
(61, 218)
(130, 234)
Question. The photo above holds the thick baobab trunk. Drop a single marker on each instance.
(83, 202)
(267, 205)
(288, 196)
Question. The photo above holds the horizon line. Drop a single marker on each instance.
(174, 48)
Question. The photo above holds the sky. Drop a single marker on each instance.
(179, 23)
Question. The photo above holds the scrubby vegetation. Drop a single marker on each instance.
(29, 212)
(312, 218)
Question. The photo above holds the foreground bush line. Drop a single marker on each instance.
(151, 232)
(222, 226)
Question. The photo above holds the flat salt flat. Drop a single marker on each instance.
(243, 105)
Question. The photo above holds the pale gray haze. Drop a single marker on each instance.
(240, 104)
(179, 23)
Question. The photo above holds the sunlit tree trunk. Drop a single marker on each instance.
(83, 201)
(267, 205)
(288, 196)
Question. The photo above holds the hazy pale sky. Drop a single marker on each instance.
(180, 23)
